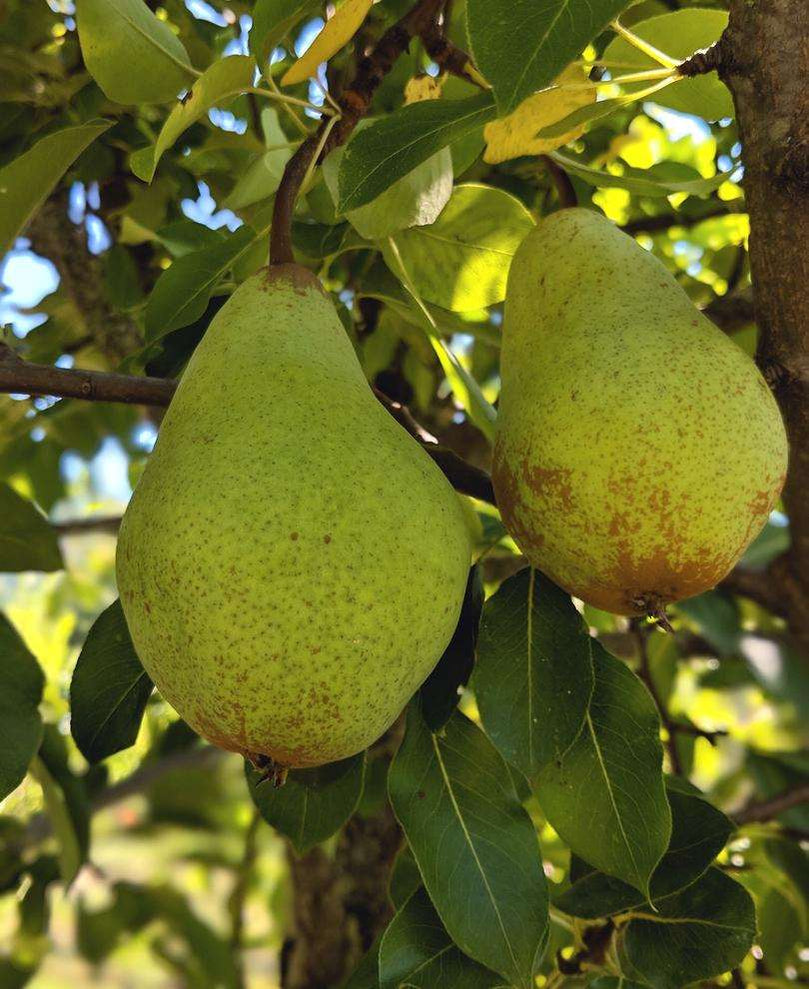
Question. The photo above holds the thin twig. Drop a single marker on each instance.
(354, 103)
(641, 631)
(78, 527)
(238, 896)
(766, 810)
(21, 377)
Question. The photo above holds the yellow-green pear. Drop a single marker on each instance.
(638, 449)
(292, 564)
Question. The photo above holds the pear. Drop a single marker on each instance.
(292, 564)
(638, 449)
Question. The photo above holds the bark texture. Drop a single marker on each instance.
(765, 62)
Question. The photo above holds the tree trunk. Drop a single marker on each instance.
(764, 61)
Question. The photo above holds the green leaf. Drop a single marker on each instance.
(611, 782)
(272, 19)
(474, 844)
(217, 86)
(27, 181)
(640, 181)
(679, 34)
(699, 832)
(597, 111)
(439, 694)
(66, 803)
(133, 56)
(520, 46)
(366, 974)
(417, 952)
(181, 293)
(313, 803)
(416, 199)
(394, 145)
(534, 674)
(21, 683)
(405, 878)
(461, 261)
(27, 540)
(716, 614)
(700, 932)
(109, 689)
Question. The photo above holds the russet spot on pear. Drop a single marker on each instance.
(639, 450)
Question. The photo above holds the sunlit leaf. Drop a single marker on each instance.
(21, 683)
(337, 31)
(217, 86)
(132, 55)
(516, 134)
(461, 261)
(680, 33)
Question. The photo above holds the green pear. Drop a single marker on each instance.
(638, 449)
(292, 564)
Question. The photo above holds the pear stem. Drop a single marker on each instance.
(354, 103)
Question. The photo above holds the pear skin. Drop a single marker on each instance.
(638, 450)
(291, 564)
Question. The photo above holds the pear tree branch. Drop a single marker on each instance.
(354, 103)
(22, 377)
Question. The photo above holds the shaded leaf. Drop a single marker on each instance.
(27, 181)
(439, 695)
(109, 689)
(182, 291)
(66, 803)
(394, 145)
(474, 844)
(405, 878)
(697, 933)
(132, 55)
(534, 675)
(313, 803)
(417, 952)
(366, 974)
(606, 796)
(699, 832)
(272, 19)
(27, 540)
(521, 45)
(21, 683)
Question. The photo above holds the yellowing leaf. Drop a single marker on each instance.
(422, 88)
(337, 31)
(515, 135)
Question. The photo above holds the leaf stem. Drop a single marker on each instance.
(643, 46)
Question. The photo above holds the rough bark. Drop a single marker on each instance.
(340, 901)
(764, 61)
